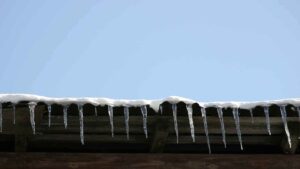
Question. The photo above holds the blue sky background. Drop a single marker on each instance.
(204, 50)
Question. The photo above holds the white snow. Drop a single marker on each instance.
(154, 104)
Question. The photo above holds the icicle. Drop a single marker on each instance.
(111, 119)
(298, 110)
(220, 114)
(203, 112)
(126, 115)
(14, 113)
(161, 109)
(237, 125)
(144, 113)
(266, 110)
(190, 115)
(174, 108)
(251, 114)
(80, 109)
(284, 120)
(96, 111)
(31, 106)
(49, 115)
(0, 117)
(65, 110)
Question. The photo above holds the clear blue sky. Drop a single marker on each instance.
(204, 50)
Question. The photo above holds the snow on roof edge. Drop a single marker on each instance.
(16, 98)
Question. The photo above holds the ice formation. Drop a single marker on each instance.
(203, 112)
(49, 114)
(156, 105)
(174, 110)
(14, 113)
(191, 121)
(144, 114)
(126, 115)
(65, 111)
(286, 129)
(31, 106)
(111, 119)
(80, 109)
(0, 117)
(220, 114)
(251, 114)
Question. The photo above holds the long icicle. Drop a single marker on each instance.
(31, 106)
(49, 115)
(284, 120)
(189, 109)
(221, 118)
(144, 114)
(111, 119)
(0, 117)
(236, 117)
(174, 108)
(251, 114)
(96, 111)
(65, 111)
(161, 108)
(14, 113)
(80, 109)
(126, 115)
(266, 111)
(203, 112)
(298, 110)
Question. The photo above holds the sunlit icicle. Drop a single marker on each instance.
(126, 115)
(221, 118)
(31, 106)
(161, 109)
(298, 110)
(14, 113)
(236, 117)
(80, 109)
(190, 115)
(111, 119)
(0, 117)
(144, 113)
(96, 111)
(266, 111)
(174, 108)
(49, 115)
(203, 112)
(284, 120)
(251, 114)
(65, 111)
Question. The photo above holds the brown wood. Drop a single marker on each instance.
(146, 161)
(22, 129)
(160, 135)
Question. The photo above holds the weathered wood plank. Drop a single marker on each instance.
(171, 139)
(96, 125)
(146, 161)
(160, 135)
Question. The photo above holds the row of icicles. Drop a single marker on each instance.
(143, 108)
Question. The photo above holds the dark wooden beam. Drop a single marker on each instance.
(23, 129)
(146, 161)
(160, 135)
